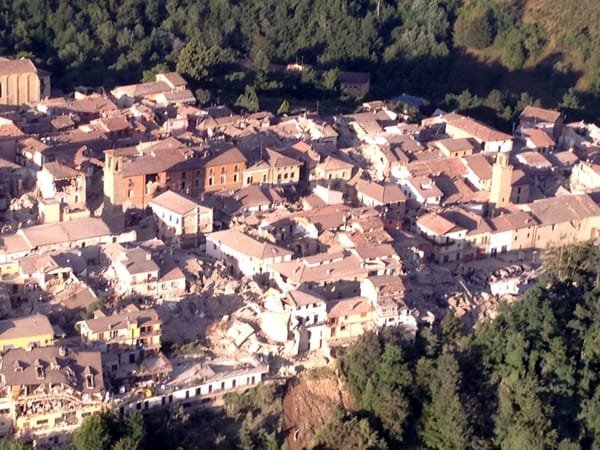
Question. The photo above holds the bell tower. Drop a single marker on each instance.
(112, 210)
(501, 183)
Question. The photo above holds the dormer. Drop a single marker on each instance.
(70, 374)
(54, 365)
(19, 366)
(40, 373)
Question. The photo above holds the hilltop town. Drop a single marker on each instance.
(158, 252)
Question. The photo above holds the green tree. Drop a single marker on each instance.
(6, 444)
(386, 391)
(284, 108)
(360, 361)
(135, 426)
(198, 61)
(248, 100)
(203, 95)
(514, 51)
(348, 433)
(126, 443)
(150, 74)
(474, 29)
(93, 434)
(330, 79)
(445, 424)
(570, 100)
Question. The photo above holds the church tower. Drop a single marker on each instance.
(501, 183)
(112, 211)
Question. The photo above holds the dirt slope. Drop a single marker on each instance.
(309, 401)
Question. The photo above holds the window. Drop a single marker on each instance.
(235, 177)
(89, 381)
(264, 178)
(249, 180)
(236, 168)
(222, 179)
(211, 181)
(222, 170)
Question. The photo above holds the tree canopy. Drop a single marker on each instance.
(528, 379)
(406, 45)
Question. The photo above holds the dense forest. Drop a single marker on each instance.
(471, 54)
(528, 380)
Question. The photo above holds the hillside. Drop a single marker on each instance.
(429, 48)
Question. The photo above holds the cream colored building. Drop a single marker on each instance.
(21, 82)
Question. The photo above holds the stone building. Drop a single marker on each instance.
(21, 82)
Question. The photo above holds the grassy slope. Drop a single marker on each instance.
(558, 18)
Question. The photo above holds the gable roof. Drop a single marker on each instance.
(141, 89)
(20, 327)
(137, 260)
(231, 156)
(536, 114)
(60, 171)
(477, 130)
(539, 137)
(382, 193)
(20, 367)
(122, 320)
(321, 267)
(173, 78)
(299, 298)
(176, 202)
(333, 163)
(277, 160)
(16, 66)
(565, 208)
(438, 224)
(512, 221)
(151, 157)
(247, 245)
(479, 165)
(349, 307)
(62, 232)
